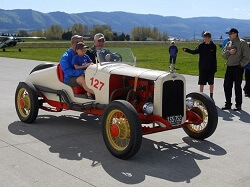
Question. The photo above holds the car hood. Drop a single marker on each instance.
(132, 71)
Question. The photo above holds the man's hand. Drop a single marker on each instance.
(108, 57)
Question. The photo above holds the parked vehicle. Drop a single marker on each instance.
(132, 101)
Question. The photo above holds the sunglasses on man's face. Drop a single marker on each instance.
(232, 33)
(101, 40)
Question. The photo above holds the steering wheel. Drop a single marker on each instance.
(115, 57)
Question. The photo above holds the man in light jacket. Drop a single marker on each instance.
(237, 54)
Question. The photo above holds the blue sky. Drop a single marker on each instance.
(238, 9)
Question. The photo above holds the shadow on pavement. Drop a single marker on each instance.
(243, 116)
(75, 138)
(228, 115)
(225, 114)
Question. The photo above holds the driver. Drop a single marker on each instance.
(99, 41)
(72, 76)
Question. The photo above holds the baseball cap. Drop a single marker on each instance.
(81, 45)
(207, 34)
(76, 38)
(232, 30)
(172, 42)
(99, 36)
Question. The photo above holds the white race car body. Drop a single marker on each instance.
(98, 78)
(132, 101)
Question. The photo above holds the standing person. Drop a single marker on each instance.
(225, 42)
(247, 79)
(173, 50)
(72, 76)
(207, 62)
(236, 52)
(99, 41)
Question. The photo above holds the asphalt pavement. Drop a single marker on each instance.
(64, 149)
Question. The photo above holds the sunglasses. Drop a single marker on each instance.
(101, 40)
(232, 33)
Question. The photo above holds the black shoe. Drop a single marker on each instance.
(212, 99)
(237, 108)
(226, 107)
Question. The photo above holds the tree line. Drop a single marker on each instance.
(56, 32)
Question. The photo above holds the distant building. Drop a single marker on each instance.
(149, 39)
(173, 39)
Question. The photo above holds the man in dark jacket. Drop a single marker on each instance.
(99, 41)
(207, 62)
(173, 50)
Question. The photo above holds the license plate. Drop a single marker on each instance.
(175, 120)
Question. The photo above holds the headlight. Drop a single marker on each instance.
(148, 108)
(189, 102)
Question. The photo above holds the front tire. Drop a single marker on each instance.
(26, 102)
(122, 132)
(206, 109)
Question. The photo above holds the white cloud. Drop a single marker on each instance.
(236, 9)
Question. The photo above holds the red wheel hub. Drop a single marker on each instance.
(22, 103)
(114, 130)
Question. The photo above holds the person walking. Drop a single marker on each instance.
(236, 52)
(207, 62)
(173, 50)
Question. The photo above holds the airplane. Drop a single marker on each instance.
(11, 41)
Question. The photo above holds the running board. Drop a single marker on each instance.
(65, 97)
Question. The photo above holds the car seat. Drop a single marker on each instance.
(60, 74)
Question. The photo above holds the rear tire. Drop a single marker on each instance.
(122, 132)
(206, 109)
(26, 102)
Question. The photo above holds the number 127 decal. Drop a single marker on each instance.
(96, 83)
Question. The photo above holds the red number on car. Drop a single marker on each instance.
(96, 83)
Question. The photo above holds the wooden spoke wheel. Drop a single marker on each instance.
(122, 132)
(26, 101)
(206, 109)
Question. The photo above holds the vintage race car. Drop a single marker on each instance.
(131, 101)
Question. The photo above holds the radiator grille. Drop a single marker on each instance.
(173, 101)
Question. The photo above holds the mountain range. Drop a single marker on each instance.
(11, 21)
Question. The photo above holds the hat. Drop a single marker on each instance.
(76, 38)
(207, 34)
(233, 30)
(172, 42)
(99, 36)
(81, 45)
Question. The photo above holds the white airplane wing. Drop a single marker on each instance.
(17, 37)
